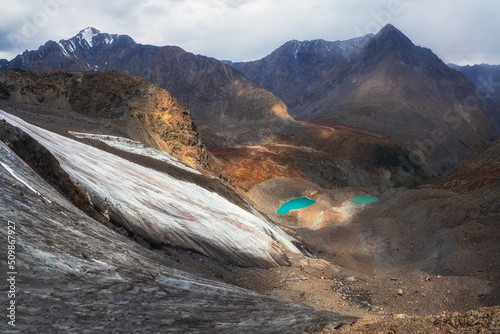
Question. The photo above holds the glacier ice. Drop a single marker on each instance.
(163, 209)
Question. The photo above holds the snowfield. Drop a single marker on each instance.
(136, 147)
(164, 209)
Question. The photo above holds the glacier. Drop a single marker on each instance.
(74, 275)
(165, 210)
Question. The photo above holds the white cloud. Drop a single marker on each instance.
(454, 30)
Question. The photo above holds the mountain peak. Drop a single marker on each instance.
(390, 33)
(90, 30)
(389, 27)
(389, 39)
(88, 34)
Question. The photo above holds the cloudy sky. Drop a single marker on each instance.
(458, 31)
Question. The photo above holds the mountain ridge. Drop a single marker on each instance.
(392, 86)
(113, 104)
(309, 60)
(211, 90)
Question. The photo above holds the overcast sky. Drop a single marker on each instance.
(458, 31)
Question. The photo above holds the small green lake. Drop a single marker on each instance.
(365, 199)
(294, 204)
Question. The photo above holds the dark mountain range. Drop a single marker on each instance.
(485, 77)
(291, 68)
(211, 90)
(387, 84)
(377, 85)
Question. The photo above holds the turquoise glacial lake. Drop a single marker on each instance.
(294, 204)
(365, 199)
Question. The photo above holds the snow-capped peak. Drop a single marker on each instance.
(88, 34)
(87, 38)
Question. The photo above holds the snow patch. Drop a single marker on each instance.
(135, 147)
(63, 49)
(108, 40)
(71, 46)
(297, 50)
(88, 34)
(14, 175)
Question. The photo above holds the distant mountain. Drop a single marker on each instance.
(290, 69)
(211, 90)
(384, 83)
(485, 77)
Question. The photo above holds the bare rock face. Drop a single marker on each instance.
(137, 107)
(290, 69)
(4, 65)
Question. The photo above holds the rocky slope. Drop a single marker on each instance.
(436, 247)
(484, 320)
(329, 154)
(482, 170)
(485, 77)
(413, 253)
(211, 90)
(387, 84)
(110, 103)
(57, 241)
